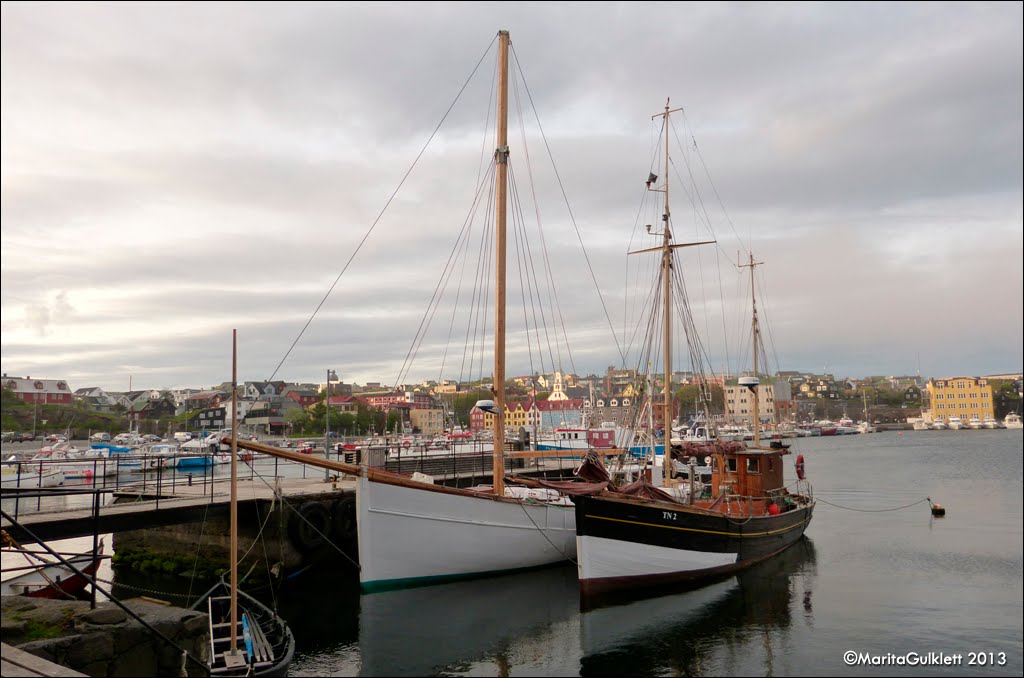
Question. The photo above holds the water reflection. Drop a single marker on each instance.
(676, 633)
(421, 631)
(532, 621)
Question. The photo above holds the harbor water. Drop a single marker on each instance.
(877, 576)
(882, 584)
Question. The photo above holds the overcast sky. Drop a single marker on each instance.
(171, 172)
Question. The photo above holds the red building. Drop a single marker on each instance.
(42, 391)
(303, 397)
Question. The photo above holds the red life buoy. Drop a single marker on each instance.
(406, 444)
(800, 466)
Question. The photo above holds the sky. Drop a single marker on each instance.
(171, 172)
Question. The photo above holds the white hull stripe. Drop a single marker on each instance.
(600, 558)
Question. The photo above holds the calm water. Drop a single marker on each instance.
(887, 582)
(865, 580)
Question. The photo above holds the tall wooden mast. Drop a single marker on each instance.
(501, 185)
(234, 493)
(666, 275)
(666, 268)
(754, 337)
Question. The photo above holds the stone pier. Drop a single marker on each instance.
(293, 533)
(106, 641)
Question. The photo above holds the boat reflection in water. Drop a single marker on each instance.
(418, 632)
(681, 633)
(531, 624)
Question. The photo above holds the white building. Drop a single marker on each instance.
(739, 402)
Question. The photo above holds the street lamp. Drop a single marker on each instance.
(331, 374)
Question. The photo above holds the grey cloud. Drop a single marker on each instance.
(223, 162)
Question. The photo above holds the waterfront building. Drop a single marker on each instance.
(739, 402)
(560, 413)
(42, 391)
(523, 413)
(969, 398)
(819, 386)
(428, 421)
(304, 397)
(447, 386)
(262, 389)
(95, 399)
(345, 404)
(387, 400)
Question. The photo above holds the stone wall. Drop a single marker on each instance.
(207, 543)
(107, 641)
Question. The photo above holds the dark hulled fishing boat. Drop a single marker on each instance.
(629, 542)
(643, 536)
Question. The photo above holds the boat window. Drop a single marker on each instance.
(752, 465)
(714, 464)
(730, 464)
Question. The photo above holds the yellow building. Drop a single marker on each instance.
(428, 421)
(969, 398)
(447, 386)
(518, 414)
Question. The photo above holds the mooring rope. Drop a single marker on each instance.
(531, 500)
(850, 508)
(163, 594)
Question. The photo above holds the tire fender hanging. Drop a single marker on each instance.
(309, 526)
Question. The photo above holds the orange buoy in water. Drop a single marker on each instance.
(937, 509)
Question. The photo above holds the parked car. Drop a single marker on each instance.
(9, 436)
(27, 437)
(100, 437)
(55, 438)
(151, 438)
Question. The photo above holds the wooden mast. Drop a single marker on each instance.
(754, 332)
(234, 492)
(501, 184)
(666, 267)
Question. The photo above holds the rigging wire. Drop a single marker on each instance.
(547, 268)
(479, 286)
(382, 211)
(517, 227)
(766, 323)
(714, 188)
(442, 285)
(540, 127)
(536, 205)
(455, 307)
(532, 281)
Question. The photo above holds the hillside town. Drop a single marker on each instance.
(39, 406)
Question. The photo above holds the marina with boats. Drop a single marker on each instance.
(498, 507)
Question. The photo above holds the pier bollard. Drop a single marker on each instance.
(190, 480)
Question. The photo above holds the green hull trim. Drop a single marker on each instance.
(381, 585)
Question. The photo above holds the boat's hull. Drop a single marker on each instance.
(633, 544)
(49, 477)
(55, 581)
(264, 638)
(412, 534)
